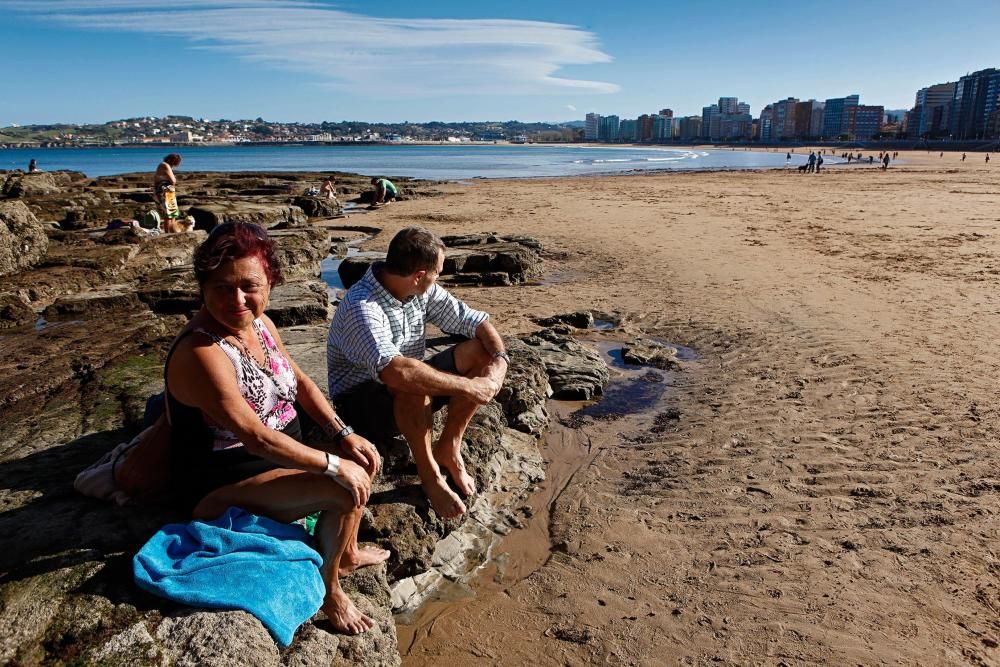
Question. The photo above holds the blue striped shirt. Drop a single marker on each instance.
(371, 327)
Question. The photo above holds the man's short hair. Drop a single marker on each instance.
(413, 249)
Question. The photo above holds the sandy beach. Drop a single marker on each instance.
(819, 485)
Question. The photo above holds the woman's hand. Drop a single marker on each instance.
(353, 477)
(359, 450)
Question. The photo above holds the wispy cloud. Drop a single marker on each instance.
(379, 56)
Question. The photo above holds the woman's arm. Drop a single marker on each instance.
(201, 375)
(316, 405)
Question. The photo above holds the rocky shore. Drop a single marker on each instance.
(86, 316)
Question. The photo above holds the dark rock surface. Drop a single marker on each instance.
(646, 352)
(581, 319)
(304, 302)
(15, 311)
(22, 240)
(319, 207)
(479, 263)
(20, 184)
(576, 372)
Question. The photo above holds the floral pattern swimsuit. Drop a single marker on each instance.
(269, 391)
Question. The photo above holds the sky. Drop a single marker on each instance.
(91, 61)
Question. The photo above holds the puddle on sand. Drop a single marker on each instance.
(628, 396)
(328, 268)
(603, 325)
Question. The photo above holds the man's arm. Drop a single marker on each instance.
(415, 377)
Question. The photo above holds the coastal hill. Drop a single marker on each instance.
(188, 130)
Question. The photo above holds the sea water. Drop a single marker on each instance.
(437, 162)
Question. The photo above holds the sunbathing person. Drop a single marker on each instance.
(235, 434)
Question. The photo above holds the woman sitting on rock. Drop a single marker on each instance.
(235, 434)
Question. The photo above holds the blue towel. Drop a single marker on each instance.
(238, 561)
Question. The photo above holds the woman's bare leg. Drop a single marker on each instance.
(287, 495)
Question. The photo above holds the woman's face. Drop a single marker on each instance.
(236, 293)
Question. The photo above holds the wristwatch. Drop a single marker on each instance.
(343, 433)
(502, 355)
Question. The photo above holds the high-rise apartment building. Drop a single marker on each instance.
(607, 128)
(669, 113)
(710, 121)
(816, 119)
(835, 116)
(663, 127)
(976, 97)
(591, 127)
(627, 131)
(863, 121)
(729, 119)
(690, 128)
(931, 106)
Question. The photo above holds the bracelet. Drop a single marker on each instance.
(332, 465)
(502, 355)
(334, 426)
(344, 432)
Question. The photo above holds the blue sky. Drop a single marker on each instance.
(313, 60)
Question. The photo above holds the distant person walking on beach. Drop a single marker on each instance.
(987, 158)
(885, 162)
(165, 186)
(32, 166)
(385, 191)
(812, 162)
(963, 157)
(819, 162)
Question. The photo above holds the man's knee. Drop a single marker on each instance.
(471, 357)
(408, 405)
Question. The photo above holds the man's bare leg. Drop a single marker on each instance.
(471, 359)
(415, 419)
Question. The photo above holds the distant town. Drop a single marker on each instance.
(185, 130)
(964, 110)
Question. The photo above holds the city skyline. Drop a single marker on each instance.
(313, 60)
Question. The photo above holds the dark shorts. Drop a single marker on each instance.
(199, 475)
(368, 407)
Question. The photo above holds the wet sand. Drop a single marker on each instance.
(820, 485)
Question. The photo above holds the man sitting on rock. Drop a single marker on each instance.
(376, 368)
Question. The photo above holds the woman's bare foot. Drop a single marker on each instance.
(444, 501)
(456, 466)
(363, 557)
(344, 616)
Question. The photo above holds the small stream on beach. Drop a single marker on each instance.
(577, 432)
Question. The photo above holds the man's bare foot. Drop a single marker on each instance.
(363, 557)
(444, 501)
(344, 616)
(456, 466)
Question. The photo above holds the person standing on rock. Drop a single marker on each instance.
(164, 181)
(377, 373)
(32, 166)
(235, 439)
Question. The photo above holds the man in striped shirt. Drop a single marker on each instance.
(376, 367)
